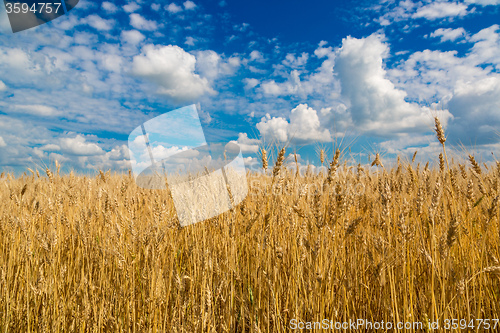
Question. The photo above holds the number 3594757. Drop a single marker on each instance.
(41, 7)
(485, 324)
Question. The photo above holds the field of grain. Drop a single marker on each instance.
(97, 253)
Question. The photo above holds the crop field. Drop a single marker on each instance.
(402, 244)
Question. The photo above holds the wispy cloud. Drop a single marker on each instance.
(449, 34)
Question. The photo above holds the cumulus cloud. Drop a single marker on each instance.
(109, 7)
(436, 10)
(304, 127)
(19, 135)
(256, 56)
(132, 36)
(98, 23)
(173, 69)
(112, 62)
(292, 86)
(275, 128)
(117, 158)
(484, 2)
(2, 86)
(212, 65)
(79, 146)
(403, 11)
(294, 61)
(406, 145)
(431, 75)
(207, 63)
(190, 41)
(486, 46)
(50, 147)
(35, 109)
(397, 11)
(476, 104)
(246, 144)
(250, 161)
(173, 8)
(131, 7)
(139, 22)
(250, 83)
(189, 5)
(322, 51)
(449, 34)
(468, 86)
(299, 82)
(376, 106)
(2, 142)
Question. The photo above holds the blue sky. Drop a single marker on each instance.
(264, 72)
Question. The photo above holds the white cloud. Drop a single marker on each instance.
(241, 27)
(131, 7)
(211, 65)
(468, 86)
(256, 56)
(190, 41)
(296, 62)
(376, 106)
(405, 145)
(476, 105)
(109, 7)
(112, 62)
(272, 88)
(139, 22)
(304, 127)
(98, 23)
(320, 83)
(2, 86)
(486, 46)
(189, 5)
(50, 147)
(275, 128)
(207, 64)
(397, 11)
(160, 152)
(173, 69)
(79, 146)
(2, 142)
(250, 161)
(173, 8)
(36, 110)
(436, 10)
(433, 75)
(86, 4)
(484, 2)
(156, 7)
(251, 83)
(132, 36)
(403, 11)
(292, 86)
(449, 34)
(19, 134)
(246, 144)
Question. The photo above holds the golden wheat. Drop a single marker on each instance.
(99, 254)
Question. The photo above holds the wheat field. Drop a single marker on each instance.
(98, 254)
